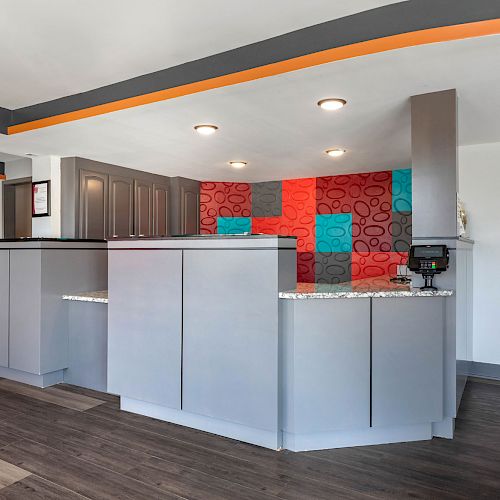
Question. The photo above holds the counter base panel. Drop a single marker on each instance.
(259, 437)
(42, 381)
(444, 429)
(88, 345)
(361, 437)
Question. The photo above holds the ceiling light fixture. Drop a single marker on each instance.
(335, 153)
(206, 129)
(332, 104)
(238, 164)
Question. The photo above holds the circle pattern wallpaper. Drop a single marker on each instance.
(347, 227)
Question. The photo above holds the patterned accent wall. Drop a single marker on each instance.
(348, 227)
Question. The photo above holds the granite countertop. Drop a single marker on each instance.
(100, 297)
(364, 288)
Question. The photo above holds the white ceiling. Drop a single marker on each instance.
(275, 125)
(53, 48)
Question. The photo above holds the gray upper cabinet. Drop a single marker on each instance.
(93, 195)
(121, 207)
(185, 211)
(143, 208)
(190, 211)
(4, 308)
(103, 201)
(161, 202)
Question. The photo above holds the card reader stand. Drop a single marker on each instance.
(428, 260)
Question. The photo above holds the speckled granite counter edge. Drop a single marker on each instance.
(355, 295)
(100, 297)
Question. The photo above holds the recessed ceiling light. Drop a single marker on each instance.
(332, 104)
(206, 129)
(238, 164)
(335, 153)
(30, 154)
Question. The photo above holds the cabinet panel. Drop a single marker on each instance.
(121, 207)
(4, 308)
(190, 211)
(25, 310)
(407, 360)
(93, 205)
(161, 200)
(143, 208)
(145, 325)
(327, 355)
(230, 362)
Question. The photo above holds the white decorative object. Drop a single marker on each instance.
(461, 218)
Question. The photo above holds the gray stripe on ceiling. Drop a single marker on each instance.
(403, 17)
(5, 119)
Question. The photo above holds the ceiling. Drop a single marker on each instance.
(61, 47)
(275, 125)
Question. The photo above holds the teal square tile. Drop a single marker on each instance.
(234, 225)
(401, 191)
(334, 233)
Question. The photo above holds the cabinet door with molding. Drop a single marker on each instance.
(93, 208)
(121, 207)
(143, 208)
(161, 212)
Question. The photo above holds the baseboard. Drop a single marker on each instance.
(484, 370)
(259, 437)
(359, 437)
(42, 381)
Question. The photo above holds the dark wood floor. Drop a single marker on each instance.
(53, 451)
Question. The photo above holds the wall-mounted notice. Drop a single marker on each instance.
(41, 199)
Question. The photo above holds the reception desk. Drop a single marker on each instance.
(363, 363)
(213, 333)
(193, 328)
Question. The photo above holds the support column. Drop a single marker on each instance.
(434, 164)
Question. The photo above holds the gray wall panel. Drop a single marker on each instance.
(407, 360)
(88, 345)
(4, 308)
(230, 364)
(145, 325)
(331, 365)
(25, 310)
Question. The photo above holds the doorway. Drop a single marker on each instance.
(17, 208)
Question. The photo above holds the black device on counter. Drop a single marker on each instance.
(428, 260)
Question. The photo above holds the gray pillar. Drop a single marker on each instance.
(434, 164)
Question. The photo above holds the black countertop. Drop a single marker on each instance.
(62, 240)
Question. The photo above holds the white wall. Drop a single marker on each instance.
(48, 168)
(479, 181)
(15, 169)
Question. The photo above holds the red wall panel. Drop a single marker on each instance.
(223, 199)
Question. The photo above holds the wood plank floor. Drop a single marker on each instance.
(51, 451)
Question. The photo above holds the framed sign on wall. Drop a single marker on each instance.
(41, 199)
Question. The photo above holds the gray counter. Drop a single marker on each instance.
(363, 364)
(193, 331)
(33, 319)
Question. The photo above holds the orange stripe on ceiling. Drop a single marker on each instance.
(422, 37)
